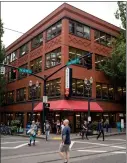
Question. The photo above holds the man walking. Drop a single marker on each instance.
(64, 147)
(101, 129)
(47, 129)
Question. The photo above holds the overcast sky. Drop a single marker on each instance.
(21, 16)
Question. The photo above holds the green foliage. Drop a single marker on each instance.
(115, 67)
(14, 124)
(2, 55)
(94, 126)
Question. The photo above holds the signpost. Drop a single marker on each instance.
(23, 70)
(74, 61)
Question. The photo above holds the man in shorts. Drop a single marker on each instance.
(66, 141)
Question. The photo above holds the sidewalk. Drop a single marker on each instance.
(75, 135)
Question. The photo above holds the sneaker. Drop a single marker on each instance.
(29, 144)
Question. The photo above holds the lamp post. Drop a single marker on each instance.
(88, 86)
(33, 90)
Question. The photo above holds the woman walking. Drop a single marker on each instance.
(32, 132)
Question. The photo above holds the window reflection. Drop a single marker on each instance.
(36, 65)
(99, 59)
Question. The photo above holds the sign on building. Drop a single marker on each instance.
(68, 81)
(2, 70)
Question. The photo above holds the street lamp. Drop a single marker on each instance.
(33, 90)
(88, 86)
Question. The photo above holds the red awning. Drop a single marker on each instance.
(71, 105)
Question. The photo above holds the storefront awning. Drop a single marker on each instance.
(70, 105)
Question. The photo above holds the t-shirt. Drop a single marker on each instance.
(66, 132)
(47, 127)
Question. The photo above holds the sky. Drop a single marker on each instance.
(21, 16)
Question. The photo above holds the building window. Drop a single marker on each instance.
(9, 76)
(99, 59)
(79, 89)
(13, 56)
(54, 30)
(76, 53)
(53, 58)
(53, 87)
(21, 74)
(104, 91)
(34, 92)
(111, 92)
(121, 92)
(21, 94)
(36, 65)
(98, 90)
(37, 41)
(10, 97)
(23, 50)
(103, 38)
(79, 29)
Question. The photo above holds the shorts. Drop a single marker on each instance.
(64, 148)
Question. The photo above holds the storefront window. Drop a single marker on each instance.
(104, 91)
(53, 87)
(53, 58)
(78, 122)
(98, 90)
(36, 65)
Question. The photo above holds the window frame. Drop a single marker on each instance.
(36, 62)
(36, 45)
(26, 45)
(21, 96)
(56, 51)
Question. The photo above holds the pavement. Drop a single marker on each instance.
(15, 149)
(75, 135)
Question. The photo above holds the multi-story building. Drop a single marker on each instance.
(63, 35)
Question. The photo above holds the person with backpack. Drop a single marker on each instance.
(32, 132)
(47, 129)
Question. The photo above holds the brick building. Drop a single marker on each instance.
(63, 35)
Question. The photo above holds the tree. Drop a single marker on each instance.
(115, 67)
(2, 55)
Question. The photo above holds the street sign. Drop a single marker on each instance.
(47, 105)
(25, 70)
(2, 70)
(74, 61)
(45, 99)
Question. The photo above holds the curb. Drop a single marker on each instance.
(78, 137)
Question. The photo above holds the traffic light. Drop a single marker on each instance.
(13, 73)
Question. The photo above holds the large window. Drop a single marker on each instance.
(21, 74)
(34, 92)
(36, 65)
(99, 59)
(54, 30)
(53, 87)
(53, 58)
(75, 53)
(105, 91)
(23, 50)
(103, 38)
(21, 94)
(37, 41)
(79, 89)
(13, 56)
(79, 29)
(10, 97)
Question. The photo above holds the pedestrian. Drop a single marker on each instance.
(107, 124)
(62, 126)
(47, 129)
(57, 127)
(85, 130)
(101, 129)
(32, 132)
(66, 141)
